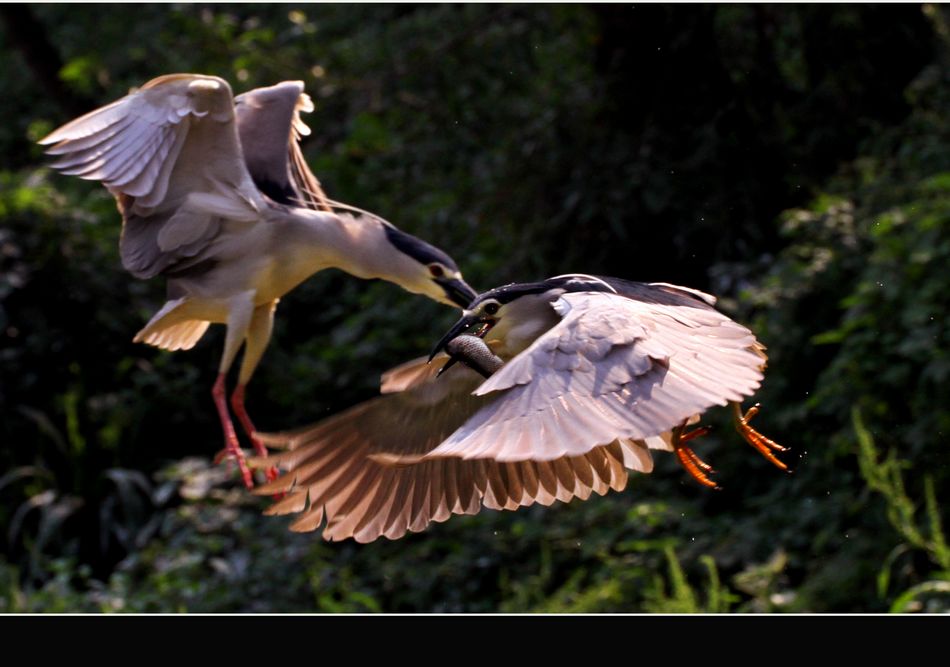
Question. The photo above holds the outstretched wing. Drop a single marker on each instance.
(270, 127)
(339, 470)
(628, 366)
(170, 153)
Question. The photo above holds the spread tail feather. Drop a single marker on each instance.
(169, 330)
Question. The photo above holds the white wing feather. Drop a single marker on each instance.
(613, 367)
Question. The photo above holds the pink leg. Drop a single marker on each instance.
(232, 447)
(237, 404)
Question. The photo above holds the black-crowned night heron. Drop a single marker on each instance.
(584, 376)
(225, 208)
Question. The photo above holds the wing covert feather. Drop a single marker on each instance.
(614, 367)
(165, 151)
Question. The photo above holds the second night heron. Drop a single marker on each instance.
(566, 384)
(215, 197)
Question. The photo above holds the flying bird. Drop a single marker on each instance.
(215, 197)
(565, 385)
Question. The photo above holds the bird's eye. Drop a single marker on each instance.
(436, 270)
(491, 308)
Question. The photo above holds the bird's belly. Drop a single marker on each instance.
(245, 268)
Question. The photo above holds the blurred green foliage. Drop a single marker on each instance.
(886, 477)
(794, 160)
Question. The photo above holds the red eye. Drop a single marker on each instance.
(436, 271)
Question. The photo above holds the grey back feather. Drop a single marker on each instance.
(271, 128)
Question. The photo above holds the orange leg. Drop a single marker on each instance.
(695, 466)
(763, 445)
(232, 447)
(237, 404)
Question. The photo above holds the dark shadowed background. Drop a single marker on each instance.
(791, 159)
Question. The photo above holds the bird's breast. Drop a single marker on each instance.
(284, 269)
(525, 320)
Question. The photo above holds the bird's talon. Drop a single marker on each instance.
(759, 442)
(751, 412)
(688, 460)
(695, 466)
(695, 433)
(698, 462)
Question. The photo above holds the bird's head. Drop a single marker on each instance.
(518, 313)
(424, 269)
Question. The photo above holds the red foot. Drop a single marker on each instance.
(237, 404)
(763, 445)
(232, 447)
(695, 466)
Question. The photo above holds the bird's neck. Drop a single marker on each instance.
(355, 243)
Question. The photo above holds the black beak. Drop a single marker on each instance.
(460, 327)
(457, 291)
